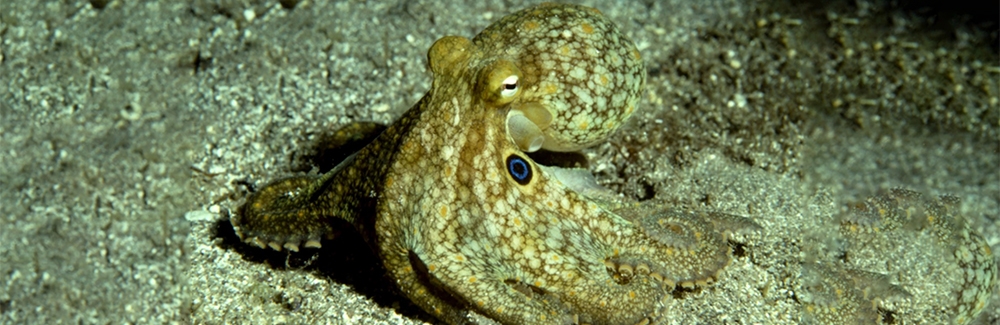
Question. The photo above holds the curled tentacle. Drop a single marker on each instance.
(680, 247)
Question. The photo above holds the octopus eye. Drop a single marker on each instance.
(509, 87)
(519, 169)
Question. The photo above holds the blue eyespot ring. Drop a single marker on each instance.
(519, 169)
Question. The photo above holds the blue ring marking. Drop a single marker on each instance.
(519, 169)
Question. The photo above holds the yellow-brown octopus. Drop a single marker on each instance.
(464, 220)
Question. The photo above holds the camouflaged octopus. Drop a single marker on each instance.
(836, 293)
(464, 220)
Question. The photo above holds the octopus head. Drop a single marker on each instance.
(577, 77)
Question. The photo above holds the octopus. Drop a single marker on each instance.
(465, 221)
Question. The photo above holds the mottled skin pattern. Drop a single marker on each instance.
(902, 210)
(839, 290)
(578, 66)
(463, 220)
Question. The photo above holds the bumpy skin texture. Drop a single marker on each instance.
(463, 220)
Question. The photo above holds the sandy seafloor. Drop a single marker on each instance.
(126, 132)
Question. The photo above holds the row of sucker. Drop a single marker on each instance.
(689, 249)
